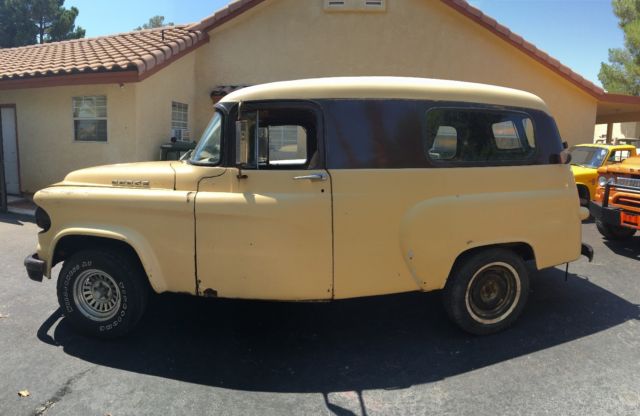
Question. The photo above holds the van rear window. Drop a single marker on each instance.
(479, 136)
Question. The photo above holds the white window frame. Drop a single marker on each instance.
(75, 105)
(180, 127)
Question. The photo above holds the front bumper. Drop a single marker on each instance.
(606, 215)
(35, 267)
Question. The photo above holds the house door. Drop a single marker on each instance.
(10, 150)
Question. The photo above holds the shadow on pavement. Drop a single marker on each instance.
(628, 248)
(15, 219)
(386, 342)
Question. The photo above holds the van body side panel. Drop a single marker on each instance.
(156, 223)
(401, 218)
(401, 230)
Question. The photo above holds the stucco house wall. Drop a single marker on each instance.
(46, 145)
(292, 39)
(153, 105)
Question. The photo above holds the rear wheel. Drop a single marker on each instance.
(103, 293)
(614, 232)
(487, 291)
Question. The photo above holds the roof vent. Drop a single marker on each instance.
(355, 5)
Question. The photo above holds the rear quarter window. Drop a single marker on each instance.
(479, 137)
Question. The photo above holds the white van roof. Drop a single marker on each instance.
(388, 88)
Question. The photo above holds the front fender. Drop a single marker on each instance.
(157, 223)
(134, 239)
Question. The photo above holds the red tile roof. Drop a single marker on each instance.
(230, 11)
(139, 51)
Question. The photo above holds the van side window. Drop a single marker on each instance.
(478, 136)
(282, 138)
(506, 135)
(445, 144)
(528, 131)
(287, 145)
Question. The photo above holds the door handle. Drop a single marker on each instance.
(312, 177)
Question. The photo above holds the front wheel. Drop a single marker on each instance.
(103, 293)
(487, 291)
(614, 232)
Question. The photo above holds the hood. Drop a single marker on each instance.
(158, 175)
(628, 166)
(581, 171)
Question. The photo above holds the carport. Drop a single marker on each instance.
(617, 108)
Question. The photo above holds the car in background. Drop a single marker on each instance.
(587, 158)
(616, 206)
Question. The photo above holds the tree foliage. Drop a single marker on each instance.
(622, 73)
(26, 22)
(155, 21)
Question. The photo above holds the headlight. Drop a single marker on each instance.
(603, 180)
(42, 219)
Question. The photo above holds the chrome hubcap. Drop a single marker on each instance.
(97, 295)
(493, 293)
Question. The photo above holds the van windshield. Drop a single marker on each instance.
(588, 156)
(208, 149)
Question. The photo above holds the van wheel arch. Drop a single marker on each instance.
(68, 245)
(524, 250)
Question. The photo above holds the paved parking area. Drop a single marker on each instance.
(575, 351)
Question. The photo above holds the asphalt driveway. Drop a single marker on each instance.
(575, 351)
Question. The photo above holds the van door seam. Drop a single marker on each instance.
(195, 229)
(333, 241)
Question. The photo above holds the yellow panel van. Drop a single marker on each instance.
(325, 189)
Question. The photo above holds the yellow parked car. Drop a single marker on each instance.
(320, 190)
(587, 158)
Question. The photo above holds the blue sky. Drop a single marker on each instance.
(576, 32)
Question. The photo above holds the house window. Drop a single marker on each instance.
(180, 121)
(90, 118)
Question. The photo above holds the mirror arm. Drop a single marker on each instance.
(240, 175)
